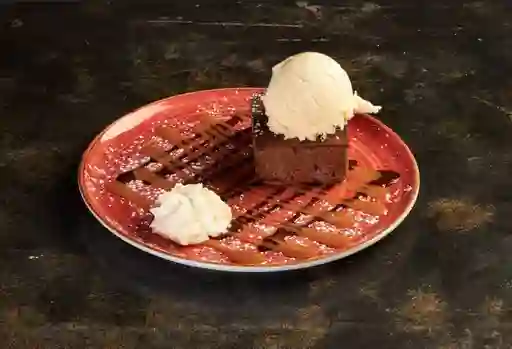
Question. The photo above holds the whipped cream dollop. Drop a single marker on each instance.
(190, 214)
(311, 95)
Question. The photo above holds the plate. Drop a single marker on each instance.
(205, 137)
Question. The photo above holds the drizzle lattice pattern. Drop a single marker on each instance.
(229, 170)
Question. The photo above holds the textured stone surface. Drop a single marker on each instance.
(442, 70)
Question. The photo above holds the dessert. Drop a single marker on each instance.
(190, 214)
(152, 177)
(299, 128)
(195, 188)
(298, 137)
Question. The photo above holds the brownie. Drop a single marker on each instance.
(291, 161)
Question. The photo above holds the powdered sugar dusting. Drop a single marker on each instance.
(121, 150)
(145, 190)
(132, 120)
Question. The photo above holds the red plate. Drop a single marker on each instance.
(275, 228)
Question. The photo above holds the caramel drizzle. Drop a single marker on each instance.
(178, 166)
(366, 184)
(208, 137)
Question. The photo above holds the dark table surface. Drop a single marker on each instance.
(442, 280)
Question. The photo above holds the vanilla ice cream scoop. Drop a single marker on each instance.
(311, 95)
(190, 214)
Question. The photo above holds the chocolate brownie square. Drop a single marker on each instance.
(291, 161)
